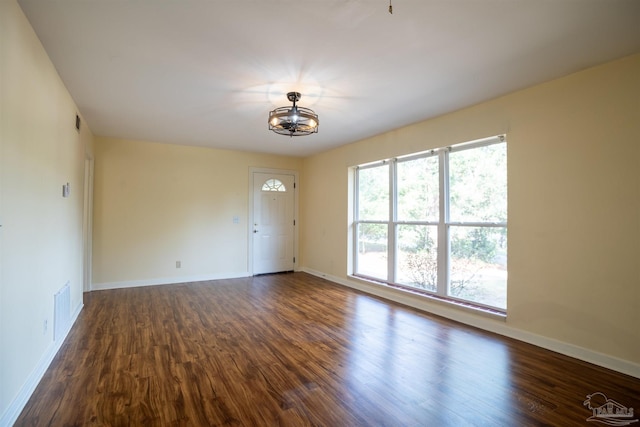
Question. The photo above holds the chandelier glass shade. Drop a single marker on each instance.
(294, 120)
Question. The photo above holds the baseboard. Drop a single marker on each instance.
(14, 409)
(488, 323)
(166, 281)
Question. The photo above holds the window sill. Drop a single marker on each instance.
(469, 307)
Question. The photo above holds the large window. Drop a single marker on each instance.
(436, 222)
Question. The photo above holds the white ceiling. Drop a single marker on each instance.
(207, 72)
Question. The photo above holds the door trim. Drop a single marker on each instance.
(250, 221)
(87, 225)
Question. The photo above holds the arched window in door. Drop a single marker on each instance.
(273, 185)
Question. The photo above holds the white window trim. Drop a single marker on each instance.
(443, 224)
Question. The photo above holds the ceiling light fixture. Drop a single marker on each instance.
(293, 121)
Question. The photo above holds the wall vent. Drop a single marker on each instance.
(61, 312)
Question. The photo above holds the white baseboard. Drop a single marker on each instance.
(166, 281)
(14, 409)
(488, 323)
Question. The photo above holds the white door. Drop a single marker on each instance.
(273, 222)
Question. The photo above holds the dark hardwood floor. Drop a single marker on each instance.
(296, 350)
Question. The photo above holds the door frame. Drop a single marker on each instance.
(250, 218)
(87, 225)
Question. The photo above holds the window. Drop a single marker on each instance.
(436, 222)
(273, 185)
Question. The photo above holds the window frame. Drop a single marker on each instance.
(443, 224)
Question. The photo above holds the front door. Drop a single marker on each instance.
(273, 222)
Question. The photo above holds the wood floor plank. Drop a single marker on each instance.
(296, 350)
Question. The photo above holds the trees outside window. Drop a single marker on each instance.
(436, 222)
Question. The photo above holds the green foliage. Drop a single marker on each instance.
(477, 189)
(477, 243)
(372, 234)
(373, 193)
(418, 189)
(478, 184)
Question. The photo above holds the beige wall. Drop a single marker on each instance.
(41, 234)
(574, 208)
(156, 204)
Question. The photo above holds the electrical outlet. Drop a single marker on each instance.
(178, 264)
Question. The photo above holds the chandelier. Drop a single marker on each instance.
(293, 121)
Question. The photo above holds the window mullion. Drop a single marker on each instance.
(391, 228)
(443, 228)
(356, 227)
